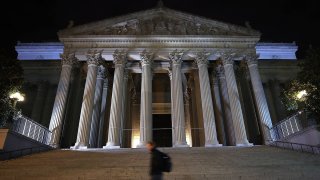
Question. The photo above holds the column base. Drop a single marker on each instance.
(79, 146)
(181, 145)
(111, 146)
(55, 146)
(245, 145)
(142, 145)
(213, 145)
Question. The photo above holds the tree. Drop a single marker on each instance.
(11, 79)
(307, 82)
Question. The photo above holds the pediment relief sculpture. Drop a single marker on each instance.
(159, 22)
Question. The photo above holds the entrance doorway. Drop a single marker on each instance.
(162, 130)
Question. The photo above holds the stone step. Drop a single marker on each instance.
(258, 162)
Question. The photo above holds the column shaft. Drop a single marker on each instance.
(56, 120)
(116, 101)
(178, 105)
(206, 102)
(96, 108)
(146, 103)
(260, 98)
(223, 89)
(172, 111)
(236, 111)
(218, 112)
(83, 134)
(103, 112)
(86, 108)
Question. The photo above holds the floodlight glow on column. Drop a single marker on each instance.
(17, 96)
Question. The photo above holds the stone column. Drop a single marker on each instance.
(146, 98)
(206, 101)
(223, 89)
(260, 98)
(235, 106)
(124, 106)
(39, 101)
(56, 121)
(177, 94)
(172, 111)
(103, 111)
(93, 60)
(187, 112)
(217, 106)
(97, 107)
(120, 59)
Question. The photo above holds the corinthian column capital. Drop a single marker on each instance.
(227, 57)
(94, 57)
(146, 57)
(219, 71)
(68, 58)
(102, 72)
(202, 57)
(252, 58)
(176, 56)
(120, 57)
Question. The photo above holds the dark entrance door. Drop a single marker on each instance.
(162, 130)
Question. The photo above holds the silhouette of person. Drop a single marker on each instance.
(155, 162)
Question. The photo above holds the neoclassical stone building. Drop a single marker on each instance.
(160, 74)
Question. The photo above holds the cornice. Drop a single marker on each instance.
(159, 41)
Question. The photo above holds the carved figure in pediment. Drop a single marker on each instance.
(192, 28)
(146, 26)
(179, 28)
(160, 26)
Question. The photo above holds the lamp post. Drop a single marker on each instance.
(301, 96)
(16, 97)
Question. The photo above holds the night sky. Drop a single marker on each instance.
(278, 21)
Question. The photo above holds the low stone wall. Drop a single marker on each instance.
(309, 136)
(12, 141)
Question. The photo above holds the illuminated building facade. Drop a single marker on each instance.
(160, 74)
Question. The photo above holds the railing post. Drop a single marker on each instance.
(24, 127)
(291, 126)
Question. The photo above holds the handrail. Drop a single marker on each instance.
(293, 124)
(296, 146)
(22, 152)
(29, 128)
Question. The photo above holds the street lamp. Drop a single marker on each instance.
(16, 97)
(301, 95)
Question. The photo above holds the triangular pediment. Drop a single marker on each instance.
(159, 21)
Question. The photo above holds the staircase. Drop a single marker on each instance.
(297, 129)
(257, 162)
